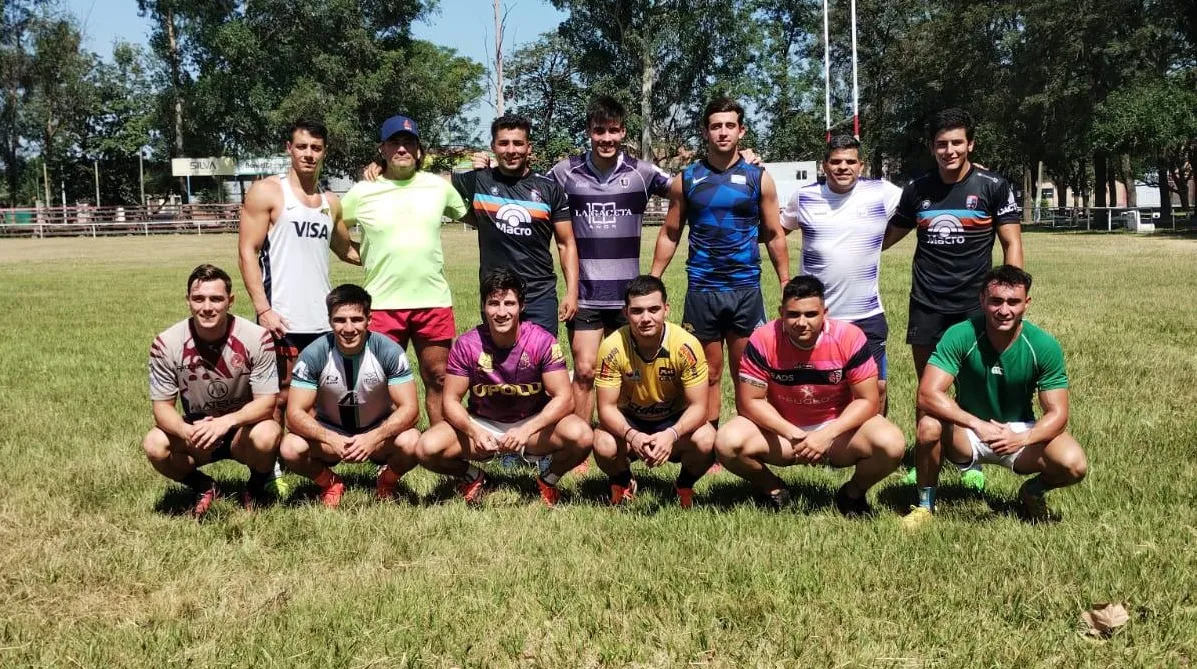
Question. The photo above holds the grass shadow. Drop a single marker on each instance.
(177, 500)
(726, 494)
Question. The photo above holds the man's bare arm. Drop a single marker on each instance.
(893, 235)
(1010, 236)
(300, 421)
(671, 231)
(260, 202)
(561, 401)
(342, 244)
(933, 399)
(167, 419)
(866, 398)
(774, 235)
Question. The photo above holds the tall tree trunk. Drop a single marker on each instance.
(1099, 188)
(1061, 195)
(1161, 167)
(1128, 179)
(176, 83)
(647, 76)
(1028, 195)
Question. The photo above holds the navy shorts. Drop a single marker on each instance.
(607, 320)
(710, 316)
(876, 331)
(926, 327)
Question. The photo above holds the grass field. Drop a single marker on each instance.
(95, 571)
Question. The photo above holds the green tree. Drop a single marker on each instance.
(544, 84)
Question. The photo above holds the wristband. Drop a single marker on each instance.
(676, 436)
(627, 431)
(265, 310)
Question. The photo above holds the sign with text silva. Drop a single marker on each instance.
(203, 167)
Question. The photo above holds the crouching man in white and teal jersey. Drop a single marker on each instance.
(352, 400)
(997, 362)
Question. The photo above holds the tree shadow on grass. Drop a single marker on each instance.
(726, 494)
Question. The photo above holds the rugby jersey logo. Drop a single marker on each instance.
(485, 362)
(945, 229)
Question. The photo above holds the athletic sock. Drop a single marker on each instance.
(622, 479)
(197, 481)
(685, 479)
(257, 481)
(1038, 487)
(927, 498)
(551, 479)
(325, 478)
(388, 475)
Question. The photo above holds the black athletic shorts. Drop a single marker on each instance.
(926, 327)
(224, 447)
(607, 320)
(652, 427)
(876, 330)
(710, 316)
(287, 349)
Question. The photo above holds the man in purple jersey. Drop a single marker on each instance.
(520, 400)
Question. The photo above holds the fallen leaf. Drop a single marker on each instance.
(1105, 618)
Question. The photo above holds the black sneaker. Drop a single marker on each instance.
(776, 500)
(851, 507)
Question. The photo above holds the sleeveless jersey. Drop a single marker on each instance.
(294, 262)
(723, 210)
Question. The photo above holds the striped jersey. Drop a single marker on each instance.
(723, 209)
(294, 262)
(956, 229)
(813, 386)
(607, 211)
(213, 378)
(352, 391)
(515, 218)
(841, 241)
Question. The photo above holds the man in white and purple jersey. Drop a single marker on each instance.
(608, 192)
(519, 398)
(843, 223)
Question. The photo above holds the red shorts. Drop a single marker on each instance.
(431, 324)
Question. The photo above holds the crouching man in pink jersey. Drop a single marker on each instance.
(807, 394)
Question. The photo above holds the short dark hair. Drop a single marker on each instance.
(950, 119)
(205, 273)
(501, 280)
(802, 287)
(348, 293)
(1006, 275)
(841, 143)
(645, 284)
(719, 106)
(604, 108)
(312, 127)
(511, 122)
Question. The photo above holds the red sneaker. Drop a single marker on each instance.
(550, 494)
(622, 495)
(331, 496)
(386, 484)
(472, 490)
(203, 502)
(685, 497)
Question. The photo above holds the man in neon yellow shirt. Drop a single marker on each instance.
(400, 217)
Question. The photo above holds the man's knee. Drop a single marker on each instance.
(435, 443)
(929, 432)
(156, 445)
(584, 372)
(407, 442)
(264, 436)
(1072, 461)
(889, 441)
(575, 433)
(704, 439)
(731, 441)
(605, 445)
(293, 448)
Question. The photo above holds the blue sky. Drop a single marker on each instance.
(465, 25)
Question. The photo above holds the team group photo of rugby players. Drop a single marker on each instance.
(324, 376)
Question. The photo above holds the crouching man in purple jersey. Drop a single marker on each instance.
(520, 400)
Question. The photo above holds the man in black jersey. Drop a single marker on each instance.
(517, 212)
(958, 209)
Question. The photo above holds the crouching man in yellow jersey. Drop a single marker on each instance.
(652, 396)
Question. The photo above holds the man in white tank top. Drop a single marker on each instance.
(287, 227)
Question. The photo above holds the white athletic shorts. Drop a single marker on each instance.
(498, 429)
(982, 454)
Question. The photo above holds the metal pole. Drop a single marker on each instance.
(855, 90)
(46, 181)
(826, 74)
(498, 60)
(141, 173)
(97, 166)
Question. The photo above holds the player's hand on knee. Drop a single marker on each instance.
(484, 442)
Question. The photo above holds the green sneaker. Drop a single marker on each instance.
(973, 480)
(911, 477)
